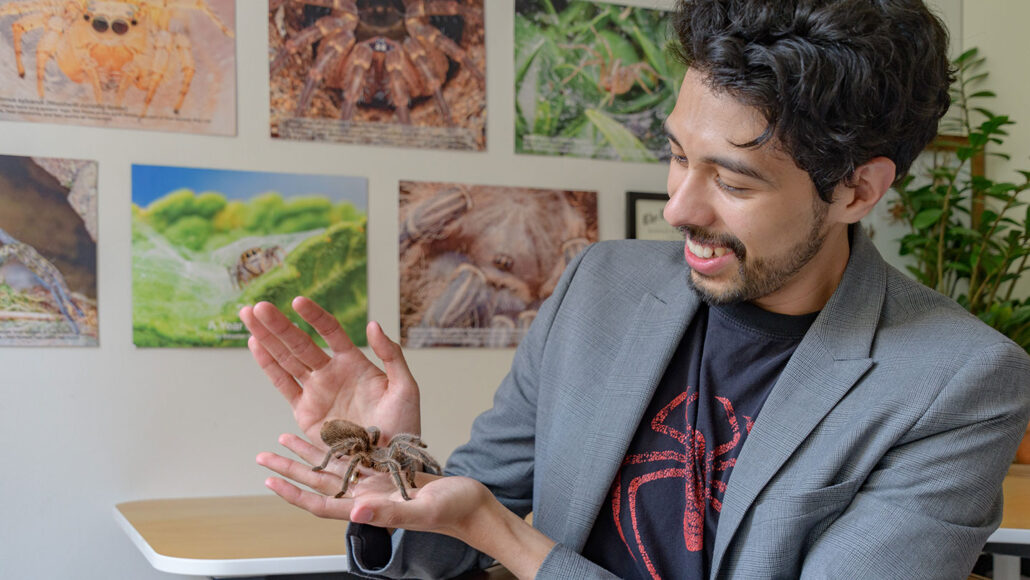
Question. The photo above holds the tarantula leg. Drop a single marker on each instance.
(408, 439)
(347, 475)
(327, 27)
(335, 46)
(429, 465)
(345, 5)
(402, 76)
(335, 450)
(420, 57)
(395, 471)
(44, 271)
(360, 62)
(328, 456)
(429, 35)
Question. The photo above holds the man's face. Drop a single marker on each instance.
(755, 228)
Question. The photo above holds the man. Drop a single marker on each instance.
(769, 399)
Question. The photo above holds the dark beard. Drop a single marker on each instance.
(759, 277)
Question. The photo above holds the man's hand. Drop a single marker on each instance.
(345, 385)
(460, 507)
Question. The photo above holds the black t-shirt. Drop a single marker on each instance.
(660, 517)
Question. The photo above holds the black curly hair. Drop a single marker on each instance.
(838, 81)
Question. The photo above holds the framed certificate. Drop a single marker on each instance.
(644, 219)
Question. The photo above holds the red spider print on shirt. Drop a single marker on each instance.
(695, 466)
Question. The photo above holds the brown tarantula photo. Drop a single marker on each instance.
(413, 63)
(402, 455)
(477, 261)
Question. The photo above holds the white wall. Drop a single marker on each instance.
(84, 429)
(997, 28)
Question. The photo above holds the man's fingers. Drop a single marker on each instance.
(324, 323)
(390, 511)
(283, 381)
(320, 505)
(302, 448)
(324, 482)
(390, 353)
(278, 351)
(290, 345)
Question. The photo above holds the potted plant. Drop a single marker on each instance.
(968, 235)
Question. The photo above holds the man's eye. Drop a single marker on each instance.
(728, 188)
(681, 159)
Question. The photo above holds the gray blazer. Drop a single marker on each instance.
(879, 453)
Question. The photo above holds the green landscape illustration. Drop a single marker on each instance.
(198, 256)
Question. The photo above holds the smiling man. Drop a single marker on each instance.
(756, 229)
(768, 399)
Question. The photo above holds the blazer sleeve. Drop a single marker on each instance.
(929, 506)
(500, 454)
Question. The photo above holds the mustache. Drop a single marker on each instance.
(702, 236)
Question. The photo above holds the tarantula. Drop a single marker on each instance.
(382, 53)
(404, 453)
(120, 43)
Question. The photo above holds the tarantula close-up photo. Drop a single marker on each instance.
(415, 62)
(476, 262)
(402, 455)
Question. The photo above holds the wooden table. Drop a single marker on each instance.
(232, 536)
(1015, 521)
(263, 535)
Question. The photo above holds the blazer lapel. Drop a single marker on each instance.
(651, 339)
(831, 358)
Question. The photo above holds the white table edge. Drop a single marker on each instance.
(1010, 536)
(230, 567)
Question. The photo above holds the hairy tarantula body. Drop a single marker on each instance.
(402, 455)
(111, 43)
(384, 54)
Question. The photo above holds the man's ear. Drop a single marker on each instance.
(866, 187)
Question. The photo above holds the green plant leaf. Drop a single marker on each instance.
(967, 56)
(626, 145)
(927, 218)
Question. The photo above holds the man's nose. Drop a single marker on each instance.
(689, 200)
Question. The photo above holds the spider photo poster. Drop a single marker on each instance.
(476, 261)
(408, 73)
(132, 64)
(48, 252)
(593, 80)
(206, 242)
